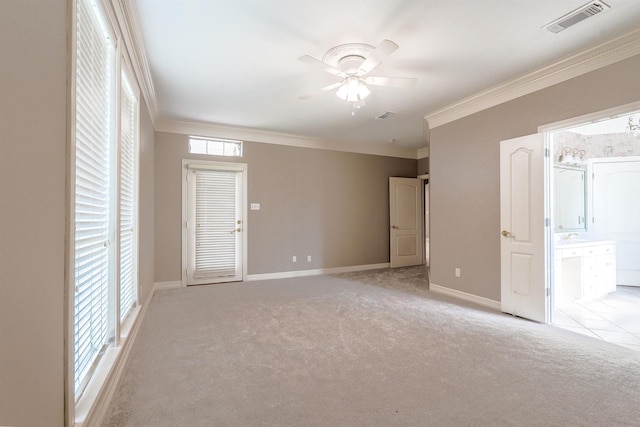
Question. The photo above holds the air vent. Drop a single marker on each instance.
(580, 14)
(385, 115)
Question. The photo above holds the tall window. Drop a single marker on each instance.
(128, 195)
(93, 328)
(105, 168)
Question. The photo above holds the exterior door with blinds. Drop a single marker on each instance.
(214, 225)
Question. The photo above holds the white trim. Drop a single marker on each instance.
(425, 176)
(93, 405)
(592, 117)
(607, 53)
(486, 302)
(167, 285)
(423, 153)
(318, 272)
(129, 24)
(247, 134)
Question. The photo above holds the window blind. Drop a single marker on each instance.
(128, 196)
(92, 331)
(215, 217)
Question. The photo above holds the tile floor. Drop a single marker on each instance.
(614, 318)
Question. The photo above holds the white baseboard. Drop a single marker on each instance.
(167, 285)
(486, 302)
(302, 273)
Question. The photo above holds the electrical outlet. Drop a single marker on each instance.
(308, 258)
(295, 258)
(457, 272)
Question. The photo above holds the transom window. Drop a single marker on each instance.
(215, 146)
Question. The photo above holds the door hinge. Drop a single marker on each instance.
(546, 152)
(547, 222)
(548, 291)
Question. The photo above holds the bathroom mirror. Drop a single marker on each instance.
(570, 206)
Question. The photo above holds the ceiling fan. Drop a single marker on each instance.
(352, 62)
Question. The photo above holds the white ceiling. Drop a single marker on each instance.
(235, 63)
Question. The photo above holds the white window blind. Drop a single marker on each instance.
(93, 160)
(128, 196)
(215, 222)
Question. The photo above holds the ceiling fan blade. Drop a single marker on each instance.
(319, 64)
(401, 82)
(324, 89)
(333, 86)
(386, 48)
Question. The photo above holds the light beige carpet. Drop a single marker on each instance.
(363, 349)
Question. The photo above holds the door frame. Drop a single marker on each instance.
(547, 130)
(226, 166)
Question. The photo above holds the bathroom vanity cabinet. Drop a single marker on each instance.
(584, 269)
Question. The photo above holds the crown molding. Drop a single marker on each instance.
(255, 135)
(423, 152)
(127, 17)
(607, 53)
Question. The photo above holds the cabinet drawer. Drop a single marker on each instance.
(600, 250)
(572, 252)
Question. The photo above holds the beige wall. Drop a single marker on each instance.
(464, 171)
(33, 114)
(327, 204)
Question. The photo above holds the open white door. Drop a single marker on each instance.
(524, 277)
(405, 215)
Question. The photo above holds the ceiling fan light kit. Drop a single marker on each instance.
(353, 90)
(351, 62)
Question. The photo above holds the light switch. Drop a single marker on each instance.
(255, 206)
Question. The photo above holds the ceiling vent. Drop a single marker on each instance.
(580, 14)
(385, 115)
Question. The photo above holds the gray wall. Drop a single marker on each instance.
(33, 165)
(327, 204)
(33, 114)
(464, 175)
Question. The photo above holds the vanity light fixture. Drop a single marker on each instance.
(571, 156)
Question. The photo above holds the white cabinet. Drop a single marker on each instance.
(584, 270)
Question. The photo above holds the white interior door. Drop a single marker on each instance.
(616, 213)
(405, 214)
(524, 278)
(214, 225)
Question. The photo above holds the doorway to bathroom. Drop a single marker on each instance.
(595, 215)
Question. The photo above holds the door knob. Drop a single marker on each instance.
(394, 227)
(506, 233)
